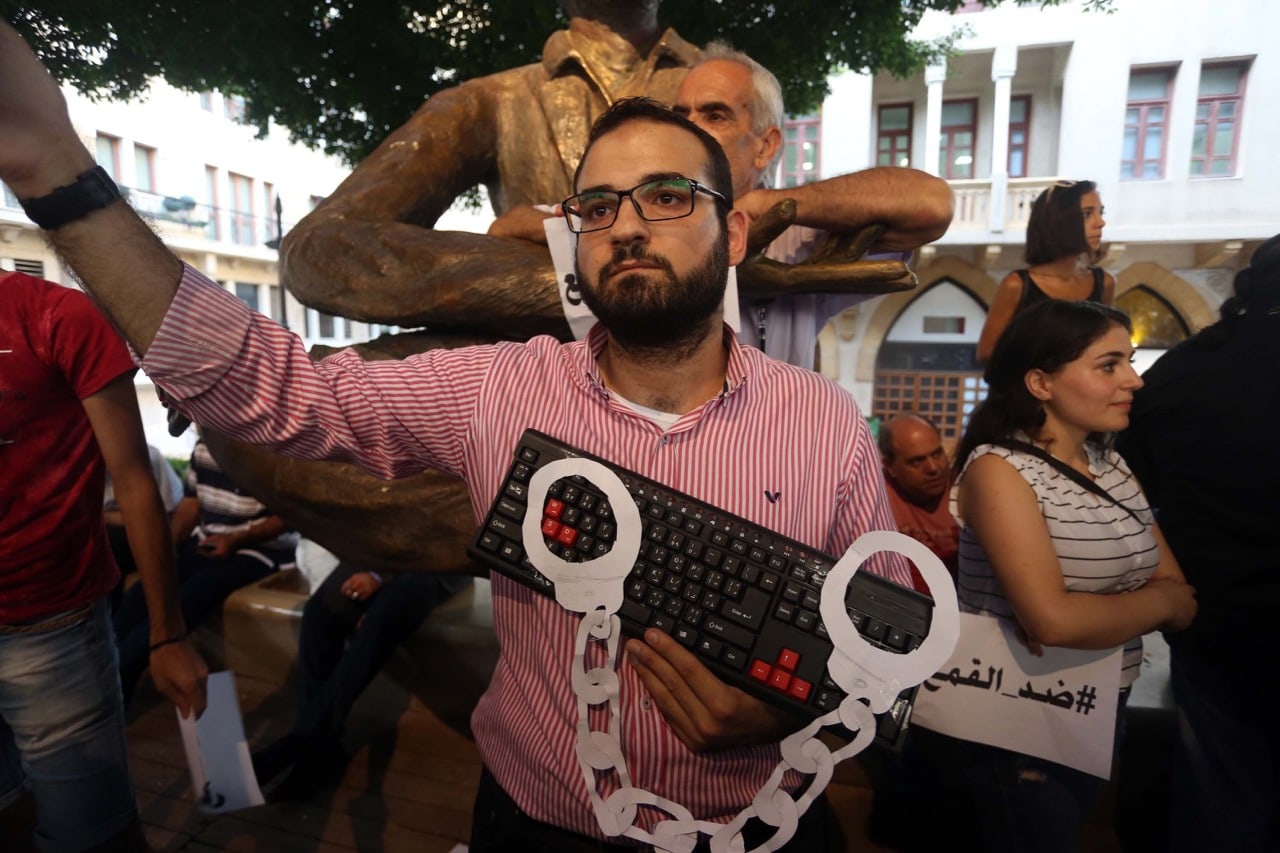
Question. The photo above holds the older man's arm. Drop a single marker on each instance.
(913, 207)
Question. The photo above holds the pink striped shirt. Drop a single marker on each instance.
(782, 446)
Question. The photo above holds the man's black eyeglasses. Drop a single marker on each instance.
(655, 201)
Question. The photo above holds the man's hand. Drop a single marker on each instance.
(522, 221)
(361, 586)
(41, 150)
(181, 675)
(219, 546)
(703, 711)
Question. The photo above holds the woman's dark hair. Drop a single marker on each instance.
(1055, 227)
(1257, 289)
(1046, 336)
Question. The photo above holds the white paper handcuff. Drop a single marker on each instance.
(595, 589)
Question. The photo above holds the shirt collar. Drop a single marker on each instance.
(574, 48)
(738, 368)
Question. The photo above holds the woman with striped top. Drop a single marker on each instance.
(1041, 544)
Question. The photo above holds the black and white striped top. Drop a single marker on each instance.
(1101, 548)
(226, 508)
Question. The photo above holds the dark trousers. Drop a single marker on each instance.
(332, 673)
(203, 585)
(1226, 760)
(499, 825)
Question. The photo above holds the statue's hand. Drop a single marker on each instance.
(836, 266)
(769, 225)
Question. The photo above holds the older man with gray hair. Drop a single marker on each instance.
(739, 102)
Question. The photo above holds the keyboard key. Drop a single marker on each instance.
(733, 588)
(806, 620)
(506, 528)
(780, 679)
(757, 556)
(674, 607)
(685, 636)
(693, 527)
(709, 647)
(800, 689)
(510, 508)
(636, 589)
(567, 536)
(529, 455)
(875, 629)
(791, 592)
(553, 509)
(733, 565)
(777, 563)
(769, 581)
(724, 630)
(810, 601)
(490, 541)
(634, 612)
(662, 622)
(713, 557)
(570, 515)
(784, 612)
(750, 611)
(655, 598)
(733, 658)
(522, 472)
(710, 601)
(788, 660)
(896, 638)
(760, 671)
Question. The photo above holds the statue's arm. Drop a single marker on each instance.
(370, 252)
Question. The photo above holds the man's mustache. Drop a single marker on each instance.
(633, 252)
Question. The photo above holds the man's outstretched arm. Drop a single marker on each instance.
(914, 207)
(122, 263)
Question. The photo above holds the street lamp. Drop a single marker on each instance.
(275, 244)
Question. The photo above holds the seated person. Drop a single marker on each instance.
(918, 475)
(226, 540)
(350, 627)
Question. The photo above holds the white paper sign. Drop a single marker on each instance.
(217, 752)
(1060, 707)
(576, 312)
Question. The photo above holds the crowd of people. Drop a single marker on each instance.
(1046, 523)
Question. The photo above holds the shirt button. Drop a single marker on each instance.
(645, 703)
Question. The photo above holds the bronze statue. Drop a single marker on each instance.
(370, 252)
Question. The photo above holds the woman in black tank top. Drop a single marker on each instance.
(1064, 235)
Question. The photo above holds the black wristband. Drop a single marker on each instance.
(92, 190)
(169, 642)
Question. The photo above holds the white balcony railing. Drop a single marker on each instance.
(974, 206)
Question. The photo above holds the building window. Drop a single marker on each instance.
(144, 168)
(1145, 118)
(268, 215)
(959, 134)
(1156, 325)
(1019, 134)
(234, 107)
(242, 231)
(946, 398)
(212, 229)
(206, 101)
(248, 294)
(9, 199)
(107, 153)
(944, 325)
(893, 135)
(1213, 147)
(30, 267)
(800, 150)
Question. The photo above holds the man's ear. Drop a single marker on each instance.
(770, 143)
(736, 227)
(1039, 384)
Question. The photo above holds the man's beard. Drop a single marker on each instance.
(653, 309)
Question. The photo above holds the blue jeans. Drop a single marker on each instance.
(1226, 760)
(62, 732)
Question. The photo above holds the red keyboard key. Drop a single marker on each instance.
(788, 660)
(567, 536)
(800, 689)
(780, 679)
(550, 528)
(553, 508)
(760, 670)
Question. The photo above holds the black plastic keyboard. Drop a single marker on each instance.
(743, 599)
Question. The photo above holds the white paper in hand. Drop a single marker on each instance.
(217, 752)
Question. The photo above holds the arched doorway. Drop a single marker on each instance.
(1157, 325)
(926, 361)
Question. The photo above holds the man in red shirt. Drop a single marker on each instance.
(68, 413)
(918, 475)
